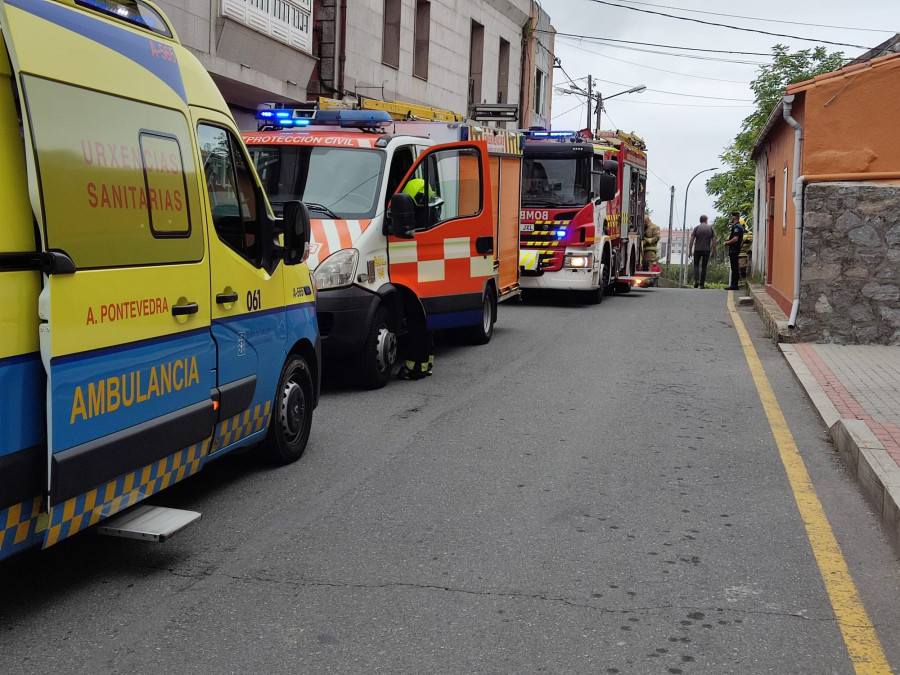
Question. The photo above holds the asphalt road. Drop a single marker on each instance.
(595, 491)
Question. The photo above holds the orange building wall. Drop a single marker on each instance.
(851, 125)
(780, 272)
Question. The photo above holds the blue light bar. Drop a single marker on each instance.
(552, 134)
(360, 119)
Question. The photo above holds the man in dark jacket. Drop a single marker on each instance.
(703, 244)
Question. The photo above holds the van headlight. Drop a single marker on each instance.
(337, 269)
(578, 261)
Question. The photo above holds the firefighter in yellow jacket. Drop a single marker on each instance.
(418, 343)
(649, 244)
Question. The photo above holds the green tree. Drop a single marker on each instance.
(733, 189)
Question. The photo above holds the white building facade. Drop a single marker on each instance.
(447, 54)
(256, 50)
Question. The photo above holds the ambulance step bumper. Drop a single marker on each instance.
(148, 523)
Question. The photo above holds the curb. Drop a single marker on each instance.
(874, 470)
(775, 320)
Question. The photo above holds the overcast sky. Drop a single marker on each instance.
(693, 107)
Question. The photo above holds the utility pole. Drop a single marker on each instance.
(669, 240)
(590, 98)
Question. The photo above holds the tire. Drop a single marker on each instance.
(481, 334)
(292, 415)
(528, 296)
(622, 287)
(606, 274)
(594, 297)
(379, 353)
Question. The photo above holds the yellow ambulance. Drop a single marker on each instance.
(155, 313)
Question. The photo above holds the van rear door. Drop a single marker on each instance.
(125, 316)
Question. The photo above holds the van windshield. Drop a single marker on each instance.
(558, 182)
(333, 182)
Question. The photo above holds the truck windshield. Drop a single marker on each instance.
(556, 181)
(333, 182)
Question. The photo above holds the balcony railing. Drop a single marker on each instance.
(288, 21)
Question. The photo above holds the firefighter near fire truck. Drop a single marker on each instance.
(650, 244)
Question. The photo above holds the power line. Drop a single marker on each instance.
(580, 105)
(662, 70)
(686, 105)
(698, 57)
(675, 93)
(650, 44)
(723, 25)
(753, 18)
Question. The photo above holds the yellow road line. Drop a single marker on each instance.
(859, 634)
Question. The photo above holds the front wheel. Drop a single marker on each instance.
(379, 352)
(481, 334)
(292, 415)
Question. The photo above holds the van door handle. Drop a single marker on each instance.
(224, 298)
(182, 310)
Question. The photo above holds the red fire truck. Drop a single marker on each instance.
(583, 201)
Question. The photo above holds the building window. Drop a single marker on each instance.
(390, 45)
(476, 62)
(287, 21)
(503, 72)
(540, 88)
(423, 27)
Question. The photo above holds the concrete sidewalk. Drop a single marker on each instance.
(856, 390)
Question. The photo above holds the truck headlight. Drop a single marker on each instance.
(579, 261)
(337, 269)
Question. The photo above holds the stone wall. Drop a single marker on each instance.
(850, 279)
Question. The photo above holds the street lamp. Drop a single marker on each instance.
(684, 226)
(600, 98)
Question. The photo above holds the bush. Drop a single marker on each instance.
(717, 274)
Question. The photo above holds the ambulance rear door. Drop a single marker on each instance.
(125, 311)
(449, 257)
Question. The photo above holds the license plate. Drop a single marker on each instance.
(527, 227)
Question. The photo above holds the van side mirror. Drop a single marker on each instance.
(295, 220)
(401, 216)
